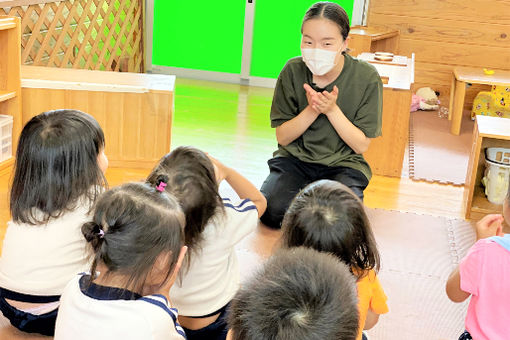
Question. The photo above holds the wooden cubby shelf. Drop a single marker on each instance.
(10, 78)
(5, 95)
(488, 132)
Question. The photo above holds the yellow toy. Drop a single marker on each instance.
(488, 72)
(495, 103)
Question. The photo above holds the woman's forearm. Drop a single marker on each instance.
(349, 133)
(292, 129)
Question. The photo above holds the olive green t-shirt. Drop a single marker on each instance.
(360, 93)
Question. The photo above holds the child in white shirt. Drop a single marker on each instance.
(58, 174)
(136, 236)
(214, 225)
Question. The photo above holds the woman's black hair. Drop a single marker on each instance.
(132, 225)
(331, 11)
(191, 178)
(56, 165)
(327, 216)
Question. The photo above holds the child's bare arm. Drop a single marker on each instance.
(371, 320)
(453, 290)
(241, 185)
(490, 225)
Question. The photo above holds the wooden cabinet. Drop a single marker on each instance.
(10, 85)
(373, 39)
(385, 155)
(488, 132)
(135, 110)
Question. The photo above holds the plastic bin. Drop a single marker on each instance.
(498, 155)
(495, 180)
(5, 137)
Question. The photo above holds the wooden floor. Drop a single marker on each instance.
(232, 123)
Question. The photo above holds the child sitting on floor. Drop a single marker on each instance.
(327, 216)
(136, 236)
(210, 276)
(298, 294)
(484, 274)
(58, 174)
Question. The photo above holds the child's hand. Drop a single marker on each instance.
(490, 225)
(220, 170)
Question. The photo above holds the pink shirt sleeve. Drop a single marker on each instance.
(470, 268)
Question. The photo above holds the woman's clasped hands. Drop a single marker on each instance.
(321, 102)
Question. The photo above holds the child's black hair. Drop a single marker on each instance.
(327, 216)
(191, 178)
(298, 294)
(132, 225)
(331, 11)
(56, 165)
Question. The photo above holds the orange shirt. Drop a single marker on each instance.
(371, 295)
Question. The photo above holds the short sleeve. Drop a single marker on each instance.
(157, 319)
(285, 104)
(470, 268)
(369, 114)
(241, 219)
(378, 302)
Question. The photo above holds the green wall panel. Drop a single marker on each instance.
(277, 33)
(201, 35)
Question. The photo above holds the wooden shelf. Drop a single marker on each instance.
(5, 165)
(488, 132)
(5, 95)
(482, 205)
(7, 23)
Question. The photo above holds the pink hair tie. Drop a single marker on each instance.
(161, 186)
(101, 233)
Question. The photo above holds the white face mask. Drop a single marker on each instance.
(319, 61)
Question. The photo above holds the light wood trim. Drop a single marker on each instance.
(374, 32)
(458, 106)
(452, 93)
(6, 95)
(5, 166)
(58, 78)
(471, 172)
(477, 76)
(16, 3)
(6, 23)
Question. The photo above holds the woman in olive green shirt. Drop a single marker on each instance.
(326, 108)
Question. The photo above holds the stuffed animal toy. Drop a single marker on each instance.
(424, 99)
